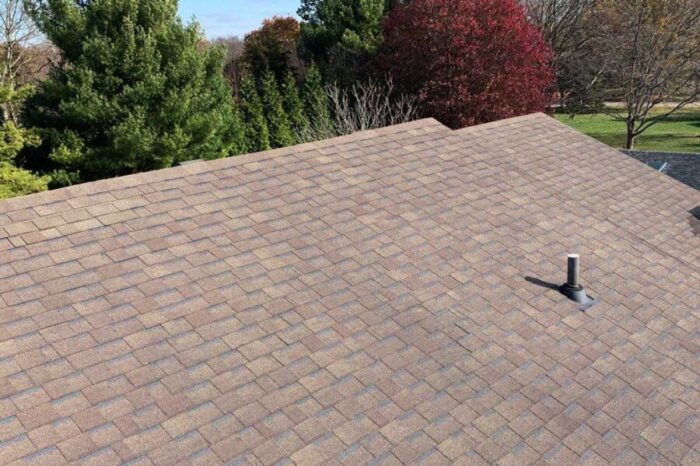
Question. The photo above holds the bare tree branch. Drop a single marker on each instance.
(367, 105)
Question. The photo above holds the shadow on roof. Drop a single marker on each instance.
(542, 283)
(694, 220)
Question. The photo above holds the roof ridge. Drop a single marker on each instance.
(503, 122)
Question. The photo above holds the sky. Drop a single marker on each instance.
(234, 17)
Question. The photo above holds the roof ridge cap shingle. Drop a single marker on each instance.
(503, 122)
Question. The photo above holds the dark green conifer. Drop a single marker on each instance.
(294, 107)
(135, 90)
(277, 121)
(316, 103)
(257, 134)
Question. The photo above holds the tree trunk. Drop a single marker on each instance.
(630, 124)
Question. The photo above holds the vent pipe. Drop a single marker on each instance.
(572, 289)
(573, 271)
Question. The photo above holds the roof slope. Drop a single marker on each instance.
(377, 296)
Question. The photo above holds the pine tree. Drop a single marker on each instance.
(355, 24)
(277, 121)
(257, 134)
(316, 102)
(136, 89)
(342, 36)
(294, 107)
(238, 129)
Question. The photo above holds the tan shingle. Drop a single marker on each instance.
(356, 299)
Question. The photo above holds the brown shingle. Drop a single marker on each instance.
(356, 299)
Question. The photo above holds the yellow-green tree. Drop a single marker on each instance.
(15, 181)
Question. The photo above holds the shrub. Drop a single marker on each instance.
(18, 182)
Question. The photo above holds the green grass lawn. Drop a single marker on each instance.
(679, 133)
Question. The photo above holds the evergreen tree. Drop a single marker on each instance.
(257, 134)
(294, 107)
(342, 35)
(354, 24)
(316, 102)
(277, 121)
(136, 89)
(238, 129)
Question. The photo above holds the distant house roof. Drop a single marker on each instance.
(684, 167)
(383, 296)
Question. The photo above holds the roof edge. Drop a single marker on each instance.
(204, 166)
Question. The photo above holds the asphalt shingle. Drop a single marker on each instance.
(384, 296)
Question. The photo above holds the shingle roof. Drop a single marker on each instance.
(372, 297)
(685, 167)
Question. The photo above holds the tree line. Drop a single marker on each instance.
(91, 89)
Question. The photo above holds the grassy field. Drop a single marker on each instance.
(680, 133)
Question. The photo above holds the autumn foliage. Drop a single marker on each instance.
(273, 47)
(468, 61)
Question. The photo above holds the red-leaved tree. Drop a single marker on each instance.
(468, 61)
